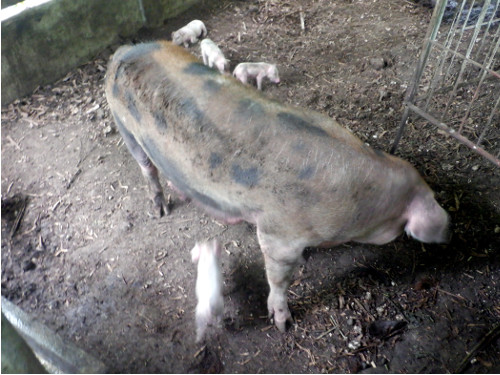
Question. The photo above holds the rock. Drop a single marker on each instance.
(378, 63)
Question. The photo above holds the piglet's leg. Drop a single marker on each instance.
(280, 264)
(259, 81)
(149, 171)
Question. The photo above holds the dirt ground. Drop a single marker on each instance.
(83, 251)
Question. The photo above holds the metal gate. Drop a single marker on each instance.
(456, 85)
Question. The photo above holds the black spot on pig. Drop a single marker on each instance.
(189, 107)
(115, 90)
(119, 73)
(249, 108)
(128, 53)
(121, 127)
(215, 160)
(167, 167)
(248, 177)
(306, 173)
(134, 147)
(181, 182)
(211, 86)
(160, 121)
(129, 97)
(299, 146)
(294, 122)
(199, 69)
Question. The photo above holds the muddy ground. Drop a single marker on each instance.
(83, 251)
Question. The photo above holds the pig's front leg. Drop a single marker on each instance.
(205, 57)
(259, 79)
(280, 261)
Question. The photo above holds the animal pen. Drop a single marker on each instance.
(456, 85)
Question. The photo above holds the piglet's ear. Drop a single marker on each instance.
(195, 253)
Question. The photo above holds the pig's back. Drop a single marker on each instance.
(230, 147)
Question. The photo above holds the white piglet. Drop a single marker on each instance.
(210, 305)
(258, 71)
(212, 55)
(190, 33)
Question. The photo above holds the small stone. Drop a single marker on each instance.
(354, 344)
(378, 63)
(28, 265)
(108, 130)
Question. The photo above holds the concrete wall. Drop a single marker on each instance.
(8, 3)
(40, 45)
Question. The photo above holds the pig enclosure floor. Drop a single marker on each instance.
(83, 251)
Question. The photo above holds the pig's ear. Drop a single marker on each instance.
(195, 253)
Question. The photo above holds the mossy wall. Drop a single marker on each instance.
(40, 45)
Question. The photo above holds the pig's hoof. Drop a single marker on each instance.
(280, 325)
(162, 205)
(281, 317)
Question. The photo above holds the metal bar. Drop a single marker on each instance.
(469, 60)
(476, 93)
(399, 134)
(461, 85)
(492, 21)
(442, 58)
(486, 32)
(431, 34)
(467, 54)
(458, 15)
(459, 54)
(488, 123)
(494, 46)
(454, 134)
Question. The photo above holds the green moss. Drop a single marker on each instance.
(40, 45)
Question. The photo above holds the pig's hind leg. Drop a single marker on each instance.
(280, 259)
(149, 171)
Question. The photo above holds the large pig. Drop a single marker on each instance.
(296, 174)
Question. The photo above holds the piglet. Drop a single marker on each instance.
(212, 55)
(208, 286)
(190, 33)
(258, 71)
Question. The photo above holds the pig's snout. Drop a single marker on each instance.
(428, 221)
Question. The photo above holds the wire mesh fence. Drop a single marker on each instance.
(456, 85)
